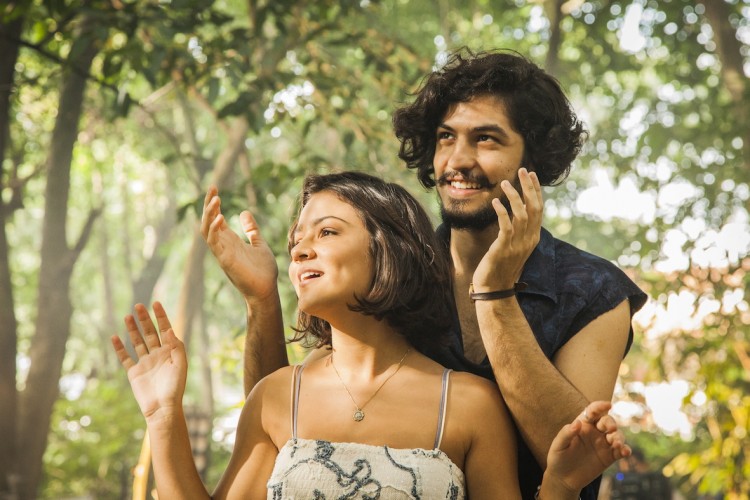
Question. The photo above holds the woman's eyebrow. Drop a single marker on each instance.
(319, 220)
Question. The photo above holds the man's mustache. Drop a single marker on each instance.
(479, 179)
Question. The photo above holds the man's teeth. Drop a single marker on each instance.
(465, 185)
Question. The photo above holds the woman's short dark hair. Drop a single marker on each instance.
(412, 272)
(536, 106)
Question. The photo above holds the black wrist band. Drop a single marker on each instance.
(498, 294)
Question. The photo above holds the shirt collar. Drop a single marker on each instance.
(538, 272)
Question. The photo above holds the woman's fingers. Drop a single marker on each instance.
(122, 355)
(594, 412)
(135, 336)
(162, 320)
(150, 335)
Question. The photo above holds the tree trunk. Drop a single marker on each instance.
(729, 49)
(554, 13)
(9, 33)
(143, 287)
(54, 308)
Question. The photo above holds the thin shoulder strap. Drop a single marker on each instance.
(296, 380)
(443, 407)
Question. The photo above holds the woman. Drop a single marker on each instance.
(375, 418)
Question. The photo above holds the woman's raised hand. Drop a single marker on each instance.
(157, 375)
(583, 449)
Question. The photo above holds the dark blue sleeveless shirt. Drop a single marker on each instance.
(567, 289)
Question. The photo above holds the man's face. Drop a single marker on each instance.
(476, 149)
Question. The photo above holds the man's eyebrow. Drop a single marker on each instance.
(481, 128)
(491, 128)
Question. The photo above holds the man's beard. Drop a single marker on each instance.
(456, 217)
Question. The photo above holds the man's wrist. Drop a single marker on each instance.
(496, 294)
(255, 303)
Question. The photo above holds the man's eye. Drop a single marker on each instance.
(444, 135)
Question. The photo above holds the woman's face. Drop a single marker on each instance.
(330, 261)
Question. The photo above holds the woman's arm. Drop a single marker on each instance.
(157, 378)
(581, 451)
(491, 467)
(254, 453)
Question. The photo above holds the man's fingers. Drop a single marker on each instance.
(531, 188)
(211, 210)
(250, 227)
(532, 195)
(516, 204)
(214, 231)
(504, 223)
(537, 188)
(210, 193)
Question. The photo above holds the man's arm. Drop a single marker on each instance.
(265, 347)
(542, 396)
(252, 269)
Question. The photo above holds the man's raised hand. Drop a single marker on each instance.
(250, 265)
(518, 235)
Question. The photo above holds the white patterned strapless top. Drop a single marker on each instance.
(312, 469)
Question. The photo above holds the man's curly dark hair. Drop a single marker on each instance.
(536, 106)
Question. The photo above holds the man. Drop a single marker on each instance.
(548, 322)
(487, 127)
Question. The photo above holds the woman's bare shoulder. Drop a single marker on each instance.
(475, 392)
(272, 384)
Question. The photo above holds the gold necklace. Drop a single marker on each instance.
(359, 414)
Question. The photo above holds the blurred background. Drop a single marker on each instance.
(116, 115)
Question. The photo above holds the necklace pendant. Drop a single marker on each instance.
(359, 415)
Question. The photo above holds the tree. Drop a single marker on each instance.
(10, 28)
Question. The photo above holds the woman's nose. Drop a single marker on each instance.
(302, 251)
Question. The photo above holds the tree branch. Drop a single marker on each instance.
(83, 238)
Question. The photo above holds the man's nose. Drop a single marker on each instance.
(462, 155)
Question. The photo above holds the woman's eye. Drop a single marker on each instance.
(326, 232)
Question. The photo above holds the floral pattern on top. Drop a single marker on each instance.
(321, 470)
